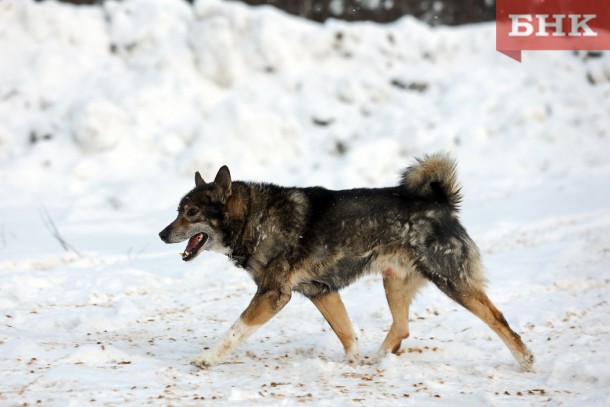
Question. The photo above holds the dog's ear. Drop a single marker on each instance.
(198, 179)
(223, 183)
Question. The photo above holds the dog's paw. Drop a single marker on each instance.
(205, 360)
(375, 359)
(352, 359)
(527, 361)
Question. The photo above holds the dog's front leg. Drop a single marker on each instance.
(264, 305)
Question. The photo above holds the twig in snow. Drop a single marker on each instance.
(133, 256)
(50, 225)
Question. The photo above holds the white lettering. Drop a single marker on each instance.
(545, 24)
(517, 25)
(522, 26)
(582, 25)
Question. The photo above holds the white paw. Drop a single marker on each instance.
(376, 359)
(205, 360)
(352, 358)
(527, 361)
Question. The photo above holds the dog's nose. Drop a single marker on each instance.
(164, 234)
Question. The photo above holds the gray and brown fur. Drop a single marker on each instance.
(316, 241)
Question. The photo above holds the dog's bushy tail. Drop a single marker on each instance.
(433, 177)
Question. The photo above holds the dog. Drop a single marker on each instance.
(316, 241)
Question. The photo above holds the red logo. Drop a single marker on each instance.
(551, 25)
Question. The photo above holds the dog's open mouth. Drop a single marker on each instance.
(194, 245)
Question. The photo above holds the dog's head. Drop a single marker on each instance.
(200, 215)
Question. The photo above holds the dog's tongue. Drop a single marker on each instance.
(193, 242)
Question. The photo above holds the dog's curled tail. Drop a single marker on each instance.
(433, 177)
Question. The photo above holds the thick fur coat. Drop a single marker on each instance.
(316, 241)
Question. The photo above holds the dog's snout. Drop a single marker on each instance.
(164, 234)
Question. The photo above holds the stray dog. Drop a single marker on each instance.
(315, 241)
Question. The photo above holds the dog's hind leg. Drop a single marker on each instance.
(474, 299)
(479, 304)
(264, 305)
(399, 292)
(333, 310)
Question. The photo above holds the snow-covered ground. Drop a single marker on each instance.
(105, 113)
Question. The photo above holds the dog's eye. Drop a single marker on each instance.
(192, 212)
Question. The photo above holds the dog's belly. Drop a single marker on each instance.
(312, 288)
(329, 278)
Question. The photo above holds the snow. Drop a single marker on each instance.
(107, 112)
